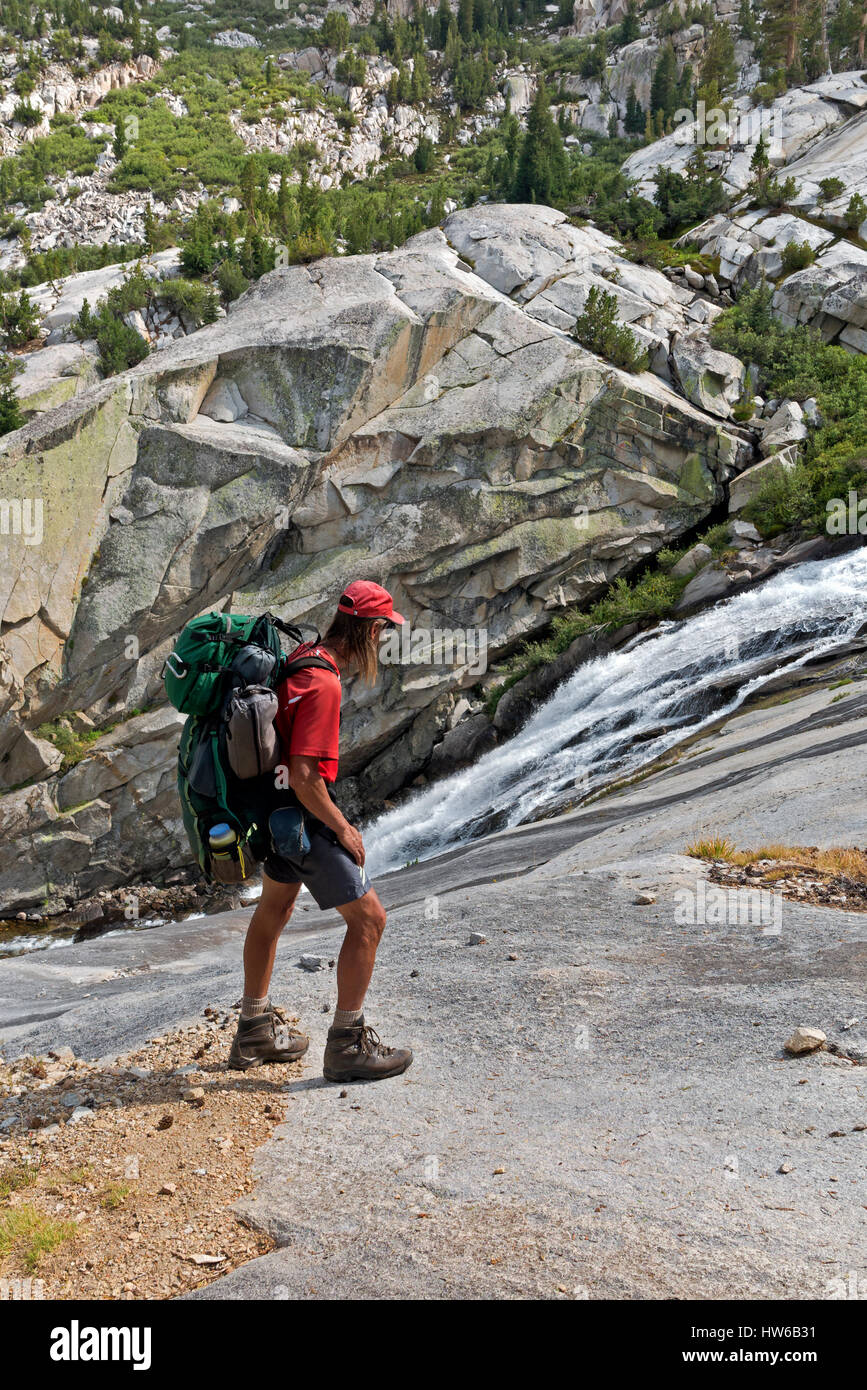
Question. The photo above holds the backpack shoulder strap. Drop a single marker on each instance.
(302, 662)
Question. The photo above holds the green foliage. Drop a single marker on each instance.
(829, 189)
(718, 64)
(856, 212)
(764, 188)
(797, 363)
(542, 172)
(335, 31)
(597, 329)
(27, 115)
(11, 417)
(120, 346)
(19, 319)
(231, 280)
(688, 198)
(190, 297)
(67, 741)
(797, 255)
(423, 157)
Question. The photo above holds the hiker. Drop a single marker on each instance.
(308, 722)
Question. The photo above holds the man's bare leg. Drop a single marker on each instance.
(365, 923)
(258, 1038)
(353, 1052)
(273, 911)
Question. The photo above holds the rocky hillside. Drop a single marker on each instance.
(406, 417)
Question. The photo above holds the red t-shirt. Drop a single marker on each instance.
(308, 713)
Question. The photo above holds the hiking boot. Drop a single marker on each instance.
(356, 1054)
(266, 1038)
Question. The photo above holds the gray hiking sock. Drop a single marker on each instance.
(252, 1008)
(346, 1018)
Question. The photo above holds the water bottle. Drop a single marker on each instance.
(227, 856)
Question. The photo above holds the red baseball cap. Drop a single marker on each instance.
(364, 599)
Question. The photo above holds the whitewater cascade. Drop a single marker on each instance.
(620, 712)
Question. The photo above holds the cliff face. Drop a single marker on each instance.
(404, 417)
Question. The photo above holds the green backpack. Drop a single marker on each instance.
(215, 655)
(198, 673)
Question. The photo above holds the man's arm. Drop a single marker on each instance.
(308, 785)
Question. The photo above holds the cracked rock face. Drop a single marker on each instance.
(403, 417)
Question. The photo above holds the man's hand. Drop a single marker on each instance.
(351, 840)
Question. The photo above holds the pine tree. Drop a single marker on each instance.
(719, 63)
(634, 119)
(453, 46)
(782, 28)
(11, 417)
(441, 24)
(663, 88)
(465, 20)
(118, 144)
(630, 28)
(542, 172)
(747, 20)
(250, 185)
(150, 227)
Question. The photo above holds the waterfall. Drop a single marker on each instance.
(620, 712)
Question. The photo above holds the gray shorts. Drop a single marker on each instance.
(328, 871)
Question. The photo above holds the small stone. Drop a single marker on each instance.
(62, 1054)
(343, 1095)
(413, 974)
(193, 1094)
(857, 1129)
(805, 1040)
(837, 1134)
(72, 1099)
(311, 962)
(166, 1122)
(512, 956)
(81, 1112)
(786, 1168)
(207, 1259)
(643, 899)
(477, 938)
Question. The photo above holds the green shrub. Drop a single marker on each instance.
(829, 189)
(189, 297)
(133, 293)
(119, 345)
(597, 329)
(19, 319)
(27, 115)
(796, 363)
(797, 255)
(231, 280)
(784, 498)
(856, 212)
(11, 417)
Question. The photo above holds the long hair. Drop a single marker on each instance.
(354, 640)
